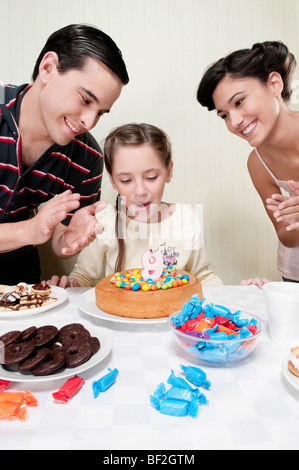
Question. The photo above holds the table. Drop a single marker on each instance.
(251, 406)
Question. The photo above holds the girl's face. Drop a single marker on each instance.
(139, 175)
(250, 108)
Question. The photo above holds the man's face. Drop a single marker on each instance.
(71, 103)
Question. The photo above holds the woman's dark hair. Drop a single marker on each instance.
(75, 43)
(257, 62)
(133, 135)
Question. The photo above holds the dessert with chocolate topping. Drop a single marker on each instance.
(21, 297)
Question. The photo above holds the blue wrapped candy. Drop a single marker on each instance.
(190, 309)
(175, 407)
(196, 376)
(178, 381)
(104, 382)
(180, 399)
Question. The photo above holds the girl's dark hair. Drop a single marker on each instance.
(76, 42)
(133, 135)
(257, 62)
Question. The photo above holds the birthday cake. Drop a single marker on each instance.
(128, 294)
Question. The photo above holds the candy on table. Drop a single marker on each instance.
(13, 404)
(133, 280)
(104, 382)
(179, 400)
(196, 376)
(175, 407)
(4, 384)
(69, 389)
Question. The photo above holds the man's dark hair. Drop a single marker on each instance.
(75, 43)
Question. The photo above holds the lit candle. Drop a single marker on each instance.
(152, 263)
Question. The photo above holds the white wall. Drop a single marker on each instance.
(167, 45)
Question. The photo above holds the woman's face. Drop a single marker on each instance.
(250, 108)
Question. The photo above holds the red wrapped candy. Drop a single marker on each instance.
(4, 384)
(68, 389)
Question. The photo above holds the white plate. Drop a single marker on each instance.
(291, 378)
(87, 303)
(57, 292)
(105, 339)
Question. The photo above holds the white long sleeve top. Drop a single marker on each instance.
(179, 238)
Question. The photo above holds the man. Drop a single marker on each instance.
(47, 153)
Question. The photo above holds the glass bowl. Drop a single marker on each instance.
(217, 352)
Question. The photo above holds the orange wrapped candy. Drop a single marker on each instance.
(205, 324)
(13, 404)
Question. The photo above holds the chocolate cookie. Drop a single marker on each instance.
(77, 352)
(39, 356)
(95, 344)
(28, 333)
(45, 335)
(18, 352)
(9, 338)
(72, 332)
(54, 362)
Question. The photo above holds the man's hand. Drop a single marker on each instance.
(52, 213)
(82, 230)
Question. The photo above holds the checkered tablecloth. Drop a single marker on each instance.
(251, 406)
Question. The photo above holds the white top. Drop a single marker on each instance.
(287, 258)
(180, 239)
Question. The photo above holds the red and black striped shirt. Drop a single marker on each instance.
(77, 166)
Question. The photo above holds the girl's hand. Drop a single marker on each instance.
(257, 281)
(64, 282)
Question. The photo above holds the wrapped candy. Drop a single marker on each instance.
(68, 389)
(176, 407)
(17, 397)
(178, 381)
(212, 311)
(4, 384)
(176, 393)
(196, 376)
(12, 411)
(104, 382)
(180, 399)
(190, 310)
(13, 404)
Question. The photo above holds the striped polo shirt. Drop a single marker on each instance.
(77, 166)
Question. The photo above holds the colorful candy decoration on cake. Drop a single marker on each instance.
(133, 280)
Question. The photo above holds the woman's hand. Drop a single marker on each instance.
(286, 208)
(256, 281)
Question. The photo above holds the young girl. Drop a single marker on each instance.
(250, 90)
(139, 164)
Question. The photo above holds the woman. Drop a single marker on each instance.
(250, 89)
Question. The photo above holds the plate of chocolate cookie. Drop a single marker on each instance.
(48, 352)
(23, 300)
